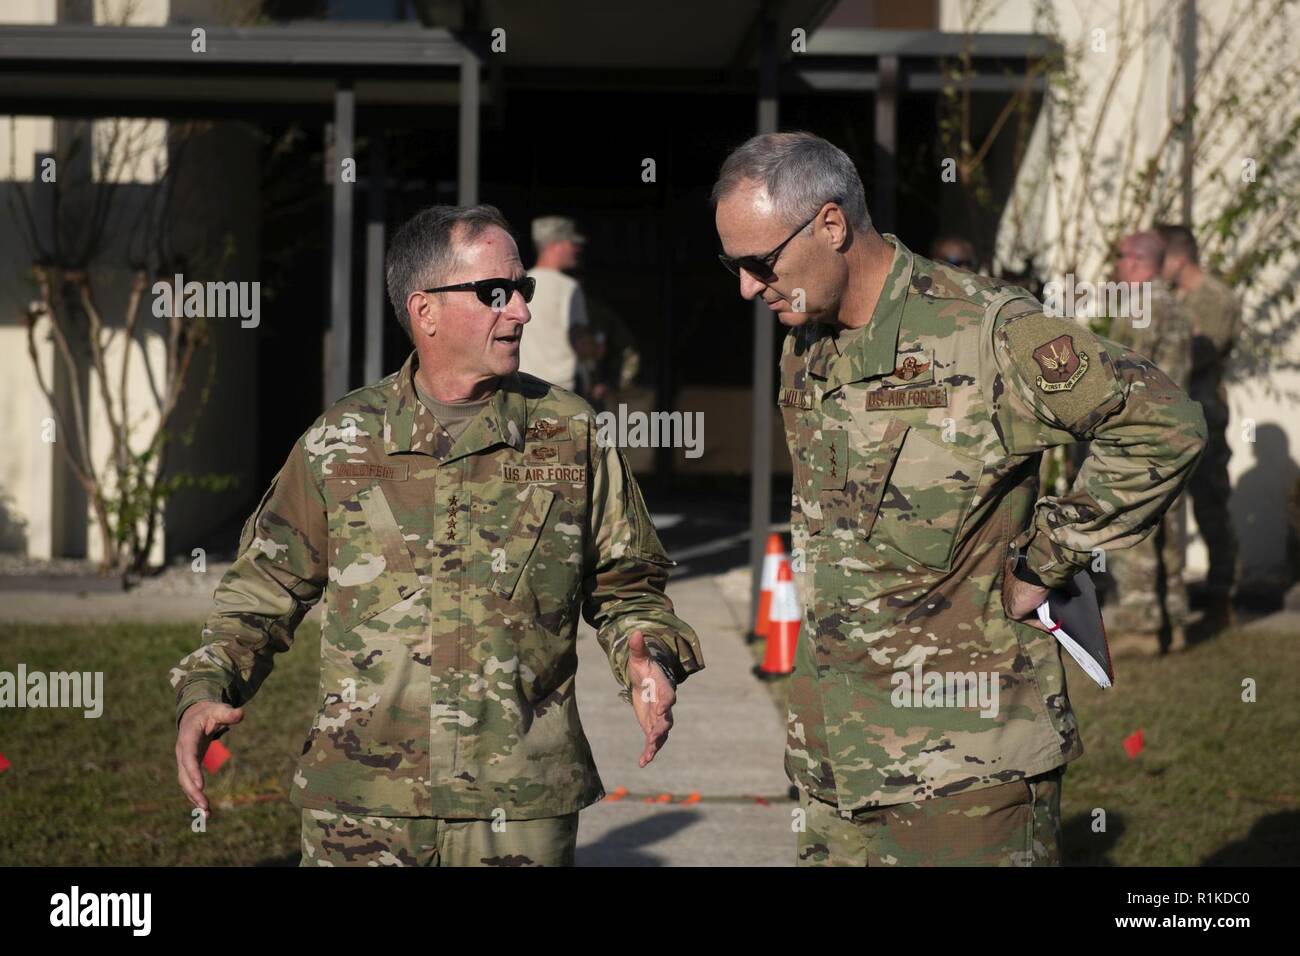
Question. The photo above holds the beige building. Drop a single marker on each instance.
(875, 63)
(1237, 47)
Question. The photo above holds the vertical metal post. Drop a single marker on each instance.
(760, 468)
(378, 180)
(339, 349)
(467, 160)
(886, 173)
(1187, 52)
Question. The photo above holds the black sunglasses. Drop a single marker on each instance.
(761, 267)
(494, 293)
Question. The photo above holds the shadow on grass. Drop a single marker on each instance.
(1081, 846)
(1273, 840)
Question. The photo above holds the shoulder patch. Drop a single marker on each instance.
(1060, 362)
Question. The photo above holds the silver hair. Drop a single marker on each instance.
(800, 173)
(423, 252)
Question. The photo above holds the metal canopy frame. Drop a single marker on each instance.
(154, 71)
(340, 64)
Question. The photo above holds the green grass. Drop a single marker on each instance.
(1218, 781)
(103, 791)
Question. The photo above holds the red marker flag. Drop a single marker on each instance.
(4, 764)
(1134, 743)
(216, 756)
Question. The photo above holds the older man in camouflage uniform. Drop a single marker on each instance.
(1149, 577)
(456, 516)
(929, 720)
(1214, 313)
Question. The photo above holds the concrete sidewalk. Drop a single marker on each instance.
(727, 742)
(727, 745)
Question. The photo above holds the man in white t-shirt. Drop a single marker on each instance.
(557, 337)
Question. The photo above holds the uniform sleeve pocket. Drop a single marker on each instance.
(926, 499)
(522, 539)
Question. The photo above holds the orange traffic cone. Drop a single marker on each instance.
(771, 560)
(783, 634)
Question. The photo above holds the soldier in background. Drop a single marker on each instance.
(917, 399)
(617, 361)
(1215, 314)
(457, 516)
(956, 251)
(1149, 576)
(560, 343)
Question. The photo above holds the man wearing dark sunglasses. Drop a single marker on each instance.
(459, 517)
(928, 716)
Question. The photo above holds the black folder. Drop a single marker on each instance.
(1073, 615)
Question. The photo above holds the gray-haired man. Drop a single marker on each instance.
(457, 517)
(929, 721)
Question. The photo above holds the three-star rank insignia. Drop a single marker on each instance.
(1061, 364)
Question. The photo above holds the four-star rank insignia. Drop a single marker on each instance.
(1062, 366)
(910, 368)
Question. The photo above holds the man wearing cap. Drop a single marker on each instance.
(559, 337)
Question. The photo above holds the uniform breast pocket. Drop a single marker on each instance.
(852, 481)
(929, 492)
(370, 567)
(538, 565)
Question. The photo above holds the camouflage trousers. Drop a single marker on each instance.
(334, 839)
(1149, 577)
(1011, 824)
(1210, 489)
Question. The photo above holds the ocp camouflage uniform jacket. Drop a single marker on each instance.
(1165, 337)
(916, 456)
(453, 574)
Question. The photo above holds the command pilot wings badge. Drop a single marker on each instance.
(546, 429)
(910, 368)
(1062, 366)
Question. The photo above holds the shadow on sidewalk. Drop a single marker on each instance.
(625, 845)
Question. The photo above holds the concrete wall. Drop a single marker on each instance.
(42, 510)
(1265, 430)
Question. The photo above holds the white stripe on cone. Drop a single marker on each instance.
(786, 617)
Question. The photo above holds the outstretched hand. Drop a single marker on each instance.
(652, 697)
(199, 724)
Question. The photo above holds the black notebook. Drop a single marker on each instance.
(1073, 615)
